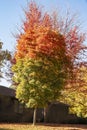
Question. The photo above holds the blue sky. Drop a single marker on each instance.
(11, 15)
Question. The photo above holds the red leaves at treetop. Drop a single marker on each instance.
(40, 35)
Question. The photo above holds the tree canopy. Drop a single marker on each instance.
(47, 57)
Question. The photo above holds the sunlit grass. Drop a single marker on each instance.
(41, 127)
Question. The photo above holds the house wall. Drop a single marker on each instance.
(11, 110)
(59, 113)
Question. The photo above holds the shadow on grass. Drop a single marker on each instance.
(72, 126)
(5, 129)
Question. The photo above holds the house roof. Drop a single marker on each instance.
(60, 104)
(7, 91)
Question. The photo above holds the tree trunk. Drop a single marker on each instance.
(45, 111)
(34, 116)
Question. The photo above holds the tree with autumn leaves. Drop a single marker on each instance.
(46, 58)
(77, 97)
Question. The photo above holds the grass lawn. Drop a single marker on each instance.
(41, 127)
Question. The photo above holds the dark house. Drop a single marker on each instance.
(59, 113)
(11, 110)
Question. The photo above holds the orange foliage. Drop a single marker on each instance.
(40, 40)
(35, 28)
(41, 33)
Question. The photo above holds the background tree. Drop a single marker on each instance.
(46, 57)
(76, 97)
(4, 56)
